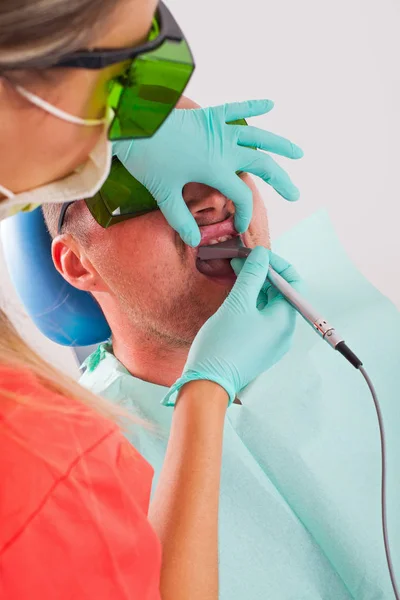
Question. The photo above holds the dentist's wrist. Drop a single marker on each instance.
(191, 376)
(203, 391)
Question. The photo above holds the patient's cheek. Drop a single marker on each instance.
(249, 181)
(145, 248)
(258, 230)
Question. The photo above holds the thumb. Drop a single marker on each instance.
(180, 218)
(122, 149)
(237, 265)
(252, 275)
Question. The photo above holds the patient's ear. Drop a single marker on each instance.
(72, 263)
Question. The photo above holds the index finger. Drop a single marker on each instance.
(287, 271)
(248, 108)
(283, 268)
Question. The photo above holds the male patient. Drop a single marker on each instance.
(155, 296)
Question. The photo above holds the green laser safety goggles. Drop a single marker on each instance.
(145, 93)
(121, 197)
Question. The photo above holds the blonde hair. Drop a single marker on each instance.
(16, 353)
(35, 33)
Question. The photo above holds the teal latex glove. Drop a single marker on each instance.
(197, 145)
(249, 333)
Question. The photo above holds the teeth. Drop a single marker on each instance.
(223, 238)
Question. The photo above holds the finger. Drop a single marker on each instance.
(280, 265)
(288, 274)
(249, 108)
(265, 140)
(181, 219)
(265, 167)
(251, 277)
(237, 264)
(231, 186)
(286, 270)
(266, 288)
(121, 149)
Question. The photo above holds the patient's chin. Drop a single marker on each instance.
(188, 318)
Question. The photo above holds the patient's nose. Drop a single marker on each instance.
(207, 204)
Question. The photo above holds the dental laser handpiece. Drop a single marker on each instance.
(234, 249)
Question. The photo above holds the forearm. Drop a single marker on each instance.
(184, 511)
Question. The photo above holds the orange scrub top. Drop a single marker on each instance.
(74, 496)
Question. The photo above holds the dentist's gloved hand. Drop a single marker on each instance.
(197, 145)
(249, 333)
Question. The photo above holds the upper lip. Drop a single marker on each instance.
(217, 230)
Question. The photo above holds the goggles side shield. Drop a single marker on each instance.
(120, 198)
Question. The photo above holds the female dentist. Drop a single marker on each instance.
(74, 500)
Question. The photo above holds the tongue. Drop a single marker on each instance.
(218, 267)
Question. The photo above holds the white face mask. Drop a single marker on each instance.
(83, 183)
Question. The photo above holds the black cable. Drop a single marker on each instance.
(348, 354)
(383, 485)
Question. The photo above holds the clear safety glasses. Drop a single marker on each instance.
(147, 90)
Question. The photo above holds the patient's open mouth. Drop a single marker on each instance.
(218, 269)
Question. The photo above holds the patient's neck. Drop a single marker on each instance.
(148, 357)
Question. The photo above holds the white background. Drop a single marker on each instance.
(333, 70)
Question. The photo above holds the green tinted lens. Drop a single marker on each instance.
(121, 197)
(145, 95)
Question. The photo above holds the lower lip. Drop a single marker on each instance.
(226, 277)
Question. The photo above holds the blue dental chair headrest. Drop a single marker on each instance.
(64, 314)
